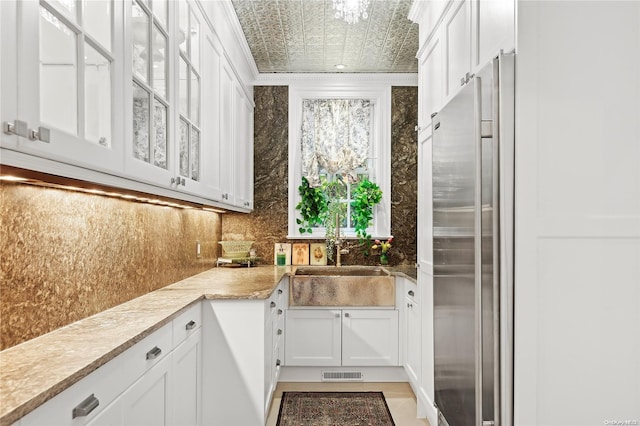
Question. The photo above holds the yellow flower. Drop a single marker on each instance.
(384, 245)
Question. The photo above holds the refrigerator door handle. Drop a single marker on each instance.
(496, 241)
(477, 137)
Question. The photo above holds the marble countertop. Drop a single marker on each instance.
(35, 371)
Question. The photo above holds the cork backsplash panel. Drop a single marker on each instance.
(66, 255)
(267, 224)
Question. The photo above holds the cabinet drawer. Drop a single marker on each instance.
(186, 324)
(90, 396)
(411, 291)
(148, 352)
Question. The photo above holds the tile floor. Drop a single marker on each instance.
(399, 396)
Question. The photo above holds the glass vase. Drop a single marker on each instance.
(384, 259)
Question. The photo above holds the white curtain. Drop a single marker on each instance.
(335, 137)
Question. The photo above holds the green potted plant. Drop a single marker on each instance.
(365, 197)
(312, 206)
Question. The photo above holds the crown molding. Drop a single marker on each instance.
(234, 22)
(417, 10)
(286, 79)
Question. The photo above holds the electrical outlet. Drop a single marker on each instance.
(198, 252)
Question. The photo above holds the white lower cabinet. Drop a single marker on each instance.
(370, 337)
(148, 384)
(412, 342)
(147, 401)
(347, 337)
(110, 416)
(314, 337)
(186, 386)
(239, 346)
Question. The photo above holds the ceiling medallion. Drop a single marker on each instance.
(351, 10)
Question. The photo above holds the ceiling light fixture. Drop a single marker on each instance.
(351, 10)
(341, 66)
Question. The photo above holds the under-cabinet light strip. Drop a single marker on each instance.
(130, 197)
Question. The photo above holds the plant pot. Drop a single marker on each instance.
(384, 259)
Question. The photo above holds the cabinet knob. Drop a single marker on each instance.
(178, 181)
(42, 134)
(411, 293)
(85, 407)
(272, 304)
(279, 331)
(346, 314)
(278, 363)
(190, 325)
(154, 353)
(175, 181)
(18, 127)
(279, 311)
(279, 291)
(337, 315)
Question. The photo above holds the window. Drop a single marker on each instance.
(370, 157)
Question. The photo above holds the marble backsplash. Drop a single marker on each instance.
(267, 224)
(67, 255)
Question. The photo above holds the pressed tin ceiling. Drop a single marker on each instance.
(304, 36)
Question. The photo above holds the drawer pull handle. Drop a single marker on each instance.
(273, 304)
(411, 293)
(85, 407)
(190, 325)
(154, 353)
(277, 363)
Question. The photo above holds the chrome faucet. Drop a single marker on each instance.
(339, 251)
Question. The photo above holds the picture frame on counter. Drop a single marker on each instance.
(300, 254)
(318, 254)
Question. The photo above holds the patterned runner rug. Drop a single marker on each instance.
(334, 409)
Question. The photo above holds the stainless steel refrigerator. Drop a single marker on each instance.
(473, 143)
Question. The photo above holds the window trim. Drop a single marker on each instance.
(380, 95)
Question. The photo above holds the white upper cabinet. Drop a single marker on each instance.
(61, 71)
(457, 36)
(226, 132)
(457, 39)
(236, 140)
(430, 77)
(212, 57)
(493, 29)
(243, 157)
(135, 94)
(187, 110)
(167, 144)
(149, 85)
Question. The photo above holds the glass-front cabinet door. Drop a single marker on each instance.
(135, 89)
(60, 67)
(165, 94)
(148, 91)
